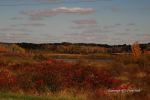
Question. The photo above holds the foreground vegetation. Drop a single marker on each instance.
(35, 74)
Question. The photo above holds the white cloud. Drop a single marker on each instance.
(48, 12)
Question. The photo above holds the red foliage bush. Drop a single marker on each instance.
(58, 75)
(7, 79)
(48, 62)
(88, 77)
(39, 83)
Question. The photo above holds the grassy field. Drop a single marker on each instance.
(11, 96)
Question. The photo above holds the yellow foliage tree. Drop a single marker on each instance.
(16, 49)
(136, 50)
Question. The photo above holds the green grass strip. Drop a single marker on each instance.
(10, 96)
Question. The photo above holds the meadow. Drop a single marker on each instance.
(26, 75)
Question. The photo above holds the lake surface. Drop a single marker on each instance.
(77, 59)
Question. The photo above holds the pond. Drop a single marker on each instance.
(77, 59)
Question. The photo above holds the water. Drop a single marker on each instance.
(77, 59)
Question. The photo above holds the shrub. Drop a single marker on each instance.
(7, 79)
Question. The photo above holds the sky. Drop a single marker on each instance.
(75, 21)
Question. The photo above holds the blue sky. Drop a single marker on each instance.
(86, 21)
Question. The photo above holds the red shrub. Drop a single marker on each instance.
(39, 83)
(123, 87)
(7, 79)
(58, 75)
(47, 62)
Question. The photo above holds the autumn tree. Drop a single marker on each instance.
(3, 48)
(136, 50)
(14, 48)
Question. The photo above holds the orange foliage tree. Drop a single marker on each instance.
(136, 50)
(3, 48)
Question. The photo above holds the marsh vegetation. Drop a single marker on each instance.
(73, 76)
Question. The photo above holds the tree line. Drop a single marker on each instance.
(71, 48)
